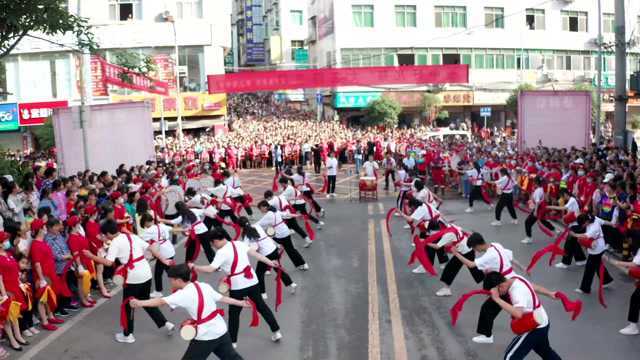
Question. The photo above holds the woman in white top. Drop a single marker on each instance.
(157, 235)
(271, 218)
(255, 237)
(190, 225)
(595, 249)
(476, 181)
(539, 200)
(504, 187)
(15, 201)
(571, 247)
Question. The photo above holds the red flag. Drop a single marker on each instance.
(459, 305)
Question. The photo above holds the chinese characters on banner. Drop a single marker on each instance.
(36, 113)
(106, 73)
(193, 104)
(456, 98)
(165, 70)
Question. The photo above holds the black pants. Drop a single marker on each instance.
(590, 270)
(476, 194)
(332, 184)
(141, 292)
(278, 166)
(572, 248)
(531, 220)
(536, 340)
(505, 200)
(309, 195)
(157, 274)
(174, 237)
(317, 163)
(442, 255)
(488, 313)
(211, 223)
(291, 251)
(26, 321)
(388, 173)
(613, 237)
(292, 224)
(302, 209)
(453, 267)
(240, 199)
(205, 243)
(261, 268)
(253, 293)
(228, 213)
(634, 307)
(220, 347)
(401, 199)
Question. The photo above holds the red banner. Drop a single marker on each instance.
(36, 113)
(97, 78)
(115, 75)
(251, 81)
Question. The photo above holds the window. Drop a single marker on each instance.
(421, 59)
(436, 59)
(478, 61)
(296, 17)
(296, 44)
(535, 19)
(608, 23)
(494, 18)
(451, 16)
(405, 15)
(574, 21)
(450, 59)
(189, 9)
(406, 59)
(123, 10)
(587, 63)
(362, 15)
(510, 61)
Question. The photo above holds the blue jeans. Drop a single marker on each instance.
(466, 186)
(358, 165)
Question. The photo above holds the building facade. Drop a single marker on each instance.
(551, 45)
(46, 69)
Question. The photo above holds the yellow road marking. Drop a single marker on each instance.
(370, 209)
(381, 208)
(374, 317)
(399, 343)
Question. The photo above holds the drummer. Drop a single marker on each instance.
(212, 335)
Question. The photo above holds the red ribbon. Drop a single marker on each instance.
(307, 226)
(601, 270)
(388, 220)
(235, 226)
(193, 239)
(459, 305)
(255, 319)
(325, 183)
(574, 307)
(420, 253)
(551, 248)
(124, 324)
(518, 206)
(562, 237)
(278, 287)
(485, 195)
(545, 229)
(248, 200)
(274, 186)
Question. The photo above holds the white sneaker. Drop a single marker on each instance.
(27, 333)
(445, 291)
(303, 267)
(419, 270)
(276, 336)
(526, 240)
(490, 206)
(631, 329)
(292, 288)
(268, 272)
(579, 291)
(581, 263)
(170, 328)
(320, 225)
(322, 213)
(561, 265)
(514, 222)
(608, 285)
(442, 266)
(397, 214)
(481, 339)
(264, 296)
(155, 294)
(307, 242)
(407, 226)
(328, 196)
(235, 346)
(496, 223)
(125, 339)
(469, 210)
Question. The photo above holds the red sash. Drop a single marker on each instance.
(130, 265)
(193, 239)
(527, 322)
(199, 319)
(502, 271)
(248, 274)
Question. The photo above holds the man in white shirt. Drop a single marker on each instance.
(158, 235)
(211, 330)
(370, 167)
(129, 249)
(243, 280)
(332, 172)
(571, 247)
(593, 240)
(389, 165)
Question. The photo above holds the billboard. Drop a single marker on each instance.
(103, 73)
(193, 104)
(36, 113)
(560, 119)
(254, 33)
(9, 117)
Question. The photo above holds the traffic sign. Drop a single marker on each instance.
(485, 111)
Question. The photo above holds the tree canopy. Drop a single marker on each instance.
(18, 18)
(383, 111)
(512, 101)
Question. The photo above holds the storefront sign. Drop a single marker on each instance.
(346, 100)
(254, 34)
(456, 98)
(406, 99)
(36, 113)
(193, 104)
(9, 117)
(107, 73)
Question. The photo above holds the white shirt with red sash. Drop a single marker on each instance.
(121, 250)
(187, 298)
(496, 258)
(224, 259)
(523, 296)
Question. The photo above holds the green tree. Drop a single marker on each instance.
(134, 62)
(383, 111)
(18, 18)
(594, 100)
(512, 101)
(430, 105)
(44, 135)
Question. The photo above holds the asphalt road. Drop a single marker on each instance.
(361, 301)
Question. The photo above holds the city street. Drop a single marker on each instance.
(361, 301)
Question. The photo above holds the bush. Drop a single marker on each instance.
(512, 101)
(13, 167)
(383, 111)
(44, 135)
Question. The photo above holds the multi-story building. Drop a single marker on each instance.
(45, 70)
(550, 44)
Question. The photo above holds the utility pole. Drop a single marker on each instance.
(599, 93)
(86, 93)
(620, 123)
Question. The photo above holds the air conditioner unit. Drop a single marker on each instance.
(567, 1)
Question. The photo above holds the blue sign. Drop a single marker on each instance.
(319, 98)
(485, 111)
(346, 100)
(254, 33)
(9, 120)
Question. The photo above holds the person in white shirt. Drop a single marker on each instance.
(233, 258)
(476, 181)
(223, 193)
(280, 203)
(332, 173)
(191, 225)
(493, 257)
(571, 247)
(129, 249)
(301, 181)
(631, 268)
(518, 297)
(593, 240)
(539, 201)
(157, 235)
(370, 167)
(257, 239)
(237, 194)
(272, 219)
(504, 187)
(389, 165)
(212, 335)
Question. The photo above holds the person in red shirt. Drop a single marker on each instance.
(85, 269)
(10, 290)
(48, 284)
(120, 212)
(96, 245)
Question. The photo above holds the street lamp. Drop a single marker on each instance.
(169, 18)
